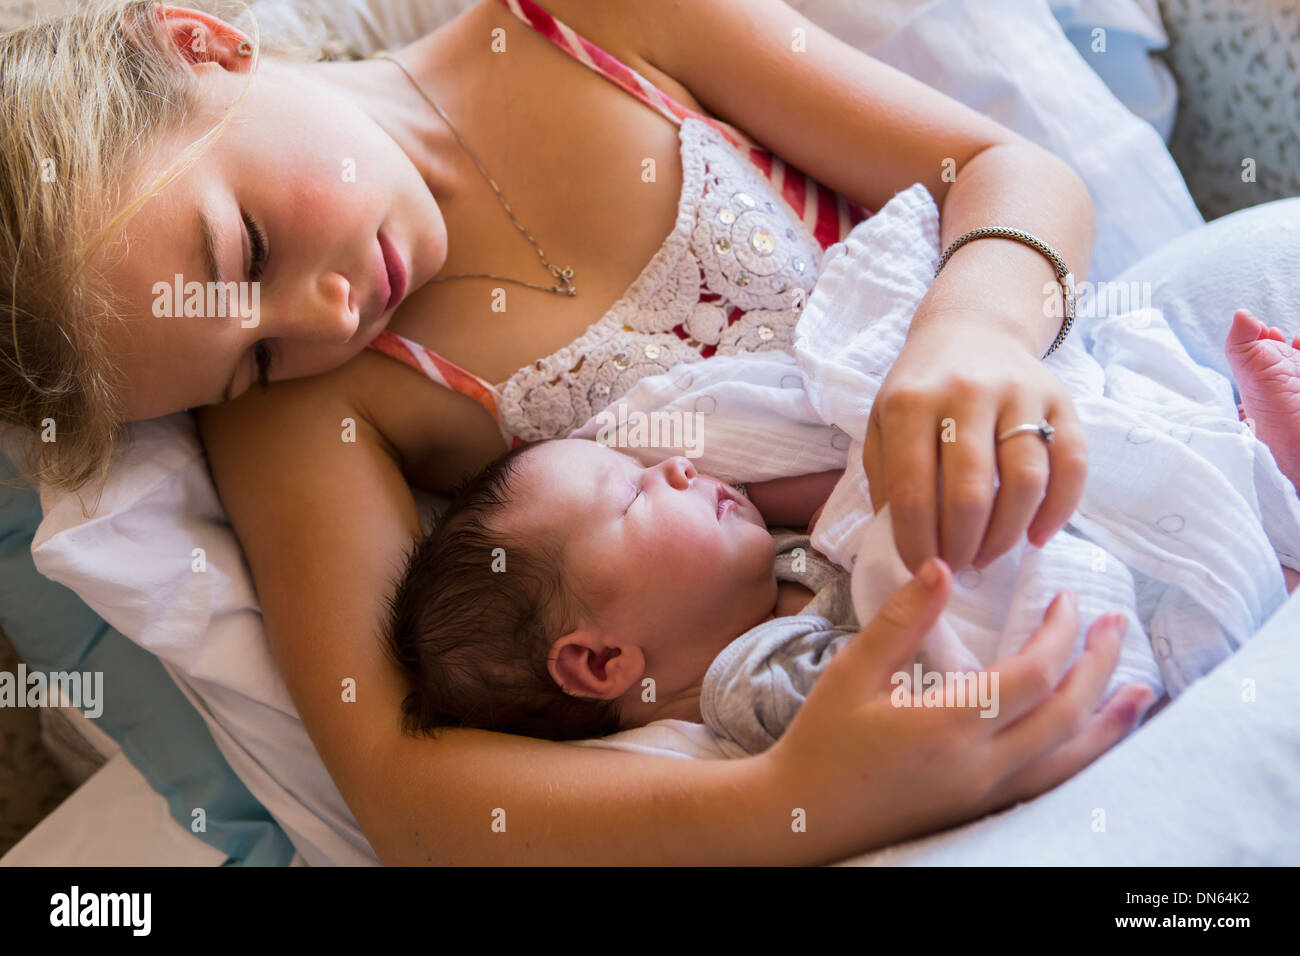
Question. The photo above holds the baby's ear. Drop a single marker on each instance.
(585, 664)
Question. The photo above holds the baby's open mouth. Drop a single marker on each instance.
(725, 501)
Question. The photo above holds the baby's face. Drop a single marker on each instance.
(668, 557)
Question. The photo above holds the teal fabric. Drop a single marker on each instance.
(143, 710)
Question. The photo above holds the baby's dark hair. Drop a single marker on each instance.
(472, 634)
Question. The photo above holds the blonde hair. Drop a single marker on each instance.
(86, 96)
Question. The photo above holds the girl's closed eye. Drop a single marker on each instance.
(258, 251)
(258, 248)
(263, 356)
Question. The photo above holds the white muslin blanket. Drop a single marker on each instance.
(1183, 519)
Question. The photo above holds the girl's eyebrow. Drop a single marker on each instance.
(230, 386)
(208, 240)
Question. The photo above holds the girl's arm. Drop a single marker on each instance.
(792, 502)
(325, 525)
(973, 349)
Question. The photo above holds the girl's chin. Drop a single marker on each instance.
(368, 334)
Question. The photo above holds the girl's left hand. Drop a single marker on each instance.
(931, 453)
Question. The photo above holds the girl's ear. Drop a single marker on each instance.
(201, 38)
(585, 665)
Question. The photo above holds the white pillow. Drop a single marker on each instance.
(360, 26)
(1011, 61)
(132, 561)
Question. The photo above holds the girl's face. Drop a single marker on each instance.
(305, 197)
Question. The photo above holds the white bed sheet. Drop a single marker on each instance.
(113, 819)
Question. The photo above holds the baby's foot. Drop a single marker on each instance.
(1267, 370)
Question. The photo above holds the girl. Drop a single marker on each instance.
(494, 198)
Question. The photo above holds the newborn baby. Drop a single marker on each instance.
(566, 575)
(570, 592)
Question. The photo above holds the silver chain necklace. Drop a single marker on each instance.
(565, 275)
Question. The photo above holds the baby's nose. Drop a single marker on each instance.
(679, 471)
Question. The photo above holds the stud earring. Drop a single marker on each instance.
(244, 49)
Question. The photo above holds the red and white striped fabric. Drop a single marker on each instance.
(827, 215)
(434, 366)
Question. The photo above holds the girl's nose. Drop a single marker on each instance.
(324, 315)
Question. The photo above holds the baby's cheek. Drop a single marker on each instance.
(735, 563)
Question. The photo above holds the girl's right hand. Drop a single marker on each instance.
(868, 773)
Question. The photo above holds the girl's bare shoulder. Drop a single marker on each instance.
(436, 436)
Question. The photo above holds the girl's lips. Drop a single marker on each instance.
(395, 271)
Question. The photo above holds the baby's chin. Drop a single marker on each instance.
(754, 598)
(739, 593)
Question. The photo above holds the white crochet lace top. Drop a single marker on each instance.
(733, 276)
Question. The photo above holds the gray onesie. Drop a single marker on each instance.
(754, 687)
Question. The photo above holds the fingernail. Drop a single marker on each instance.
(1132, 711)
(929, 573)
(1072, 600)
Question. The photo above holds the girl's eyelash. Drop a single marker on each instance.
(263, 356)
(257, 248)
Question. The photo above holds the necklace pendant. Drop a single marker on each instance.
(565, 276)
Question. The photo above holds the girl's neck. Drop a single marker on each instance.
(383, 91)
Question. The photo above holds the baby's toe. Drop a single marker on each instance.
(1245, 329)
